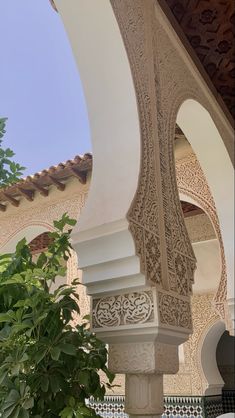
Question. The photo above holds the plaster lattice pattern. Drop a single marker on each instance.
(132, 357)
(174, 311)
(200, 228)
(190, 379)
(178, 85)
(192, 182)
(155, 217)
(126, 309)
(176, 88)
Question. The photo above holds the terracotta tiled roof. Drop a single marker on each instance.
(56, 175)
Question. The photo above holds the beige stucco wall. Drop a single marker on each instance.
(190, 379)
(42, 211)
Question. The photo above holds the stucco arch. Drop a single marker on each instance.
(207, 143)
(210, 141)
(112, 110)
(216, 268)
(28, 231)
(213, 382)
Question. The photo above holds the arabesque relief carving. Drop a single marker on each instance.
(127, 309)
(192, 182)
(190, 379)
(174, 311)
(155, 217)
(144, 357)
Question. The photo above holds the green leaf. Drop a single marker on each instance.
(54, 384)
(86, 317)
(23, 413)
(16, 413)
(28, 404)
(39, 356)
(7, 412)
(5, 317)
(84, 377)
(71, 401)
(13, 396)
(68, 349)
(55, 353)
(67, 412)
(44, 383)
(83, 410)
(3, 376)
(21, 244)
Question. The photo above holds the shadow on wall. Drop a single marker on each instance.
(225, 357)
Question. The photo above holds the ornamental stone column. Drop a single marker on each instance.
(131, 240)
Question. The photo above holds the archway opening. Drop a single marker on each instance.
(209, 366)
(210, 149)
(225, 357)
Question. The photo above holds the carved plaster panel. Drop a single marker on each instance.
(174, 312)
(144, 357)
(192, 182)
(132, 358)
(155, 217)
(200, 228)
(125, 309)
(190, 379)
(41, 214)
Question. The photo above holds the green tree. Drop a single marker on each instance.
(9, 170)
(49, 365)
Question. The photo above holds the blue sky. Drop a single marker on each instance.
(40, 89)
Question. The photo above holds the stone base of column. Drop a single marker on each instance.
(144, 395)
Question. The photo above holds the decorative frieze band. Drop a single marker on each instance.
(138, 308)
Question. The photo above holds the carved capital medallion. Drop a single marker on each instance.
(123, 310)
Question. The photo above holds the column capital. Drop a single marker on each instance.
(143, 358)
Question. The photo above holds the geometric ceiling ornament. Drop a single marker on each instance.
(209, 26)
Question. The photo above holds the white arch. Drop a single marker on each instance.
(199, 128)
(208, 361)
(112, 110)
(102, 235)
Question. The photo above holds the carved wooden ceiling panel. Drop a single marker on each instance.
(209, 26)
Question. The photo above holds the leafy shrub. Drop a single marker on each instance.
(48, 365)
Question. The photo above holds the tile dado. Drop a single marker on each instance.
(174, 406)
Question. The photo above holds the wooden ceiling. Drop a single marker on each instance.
(209, 26)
